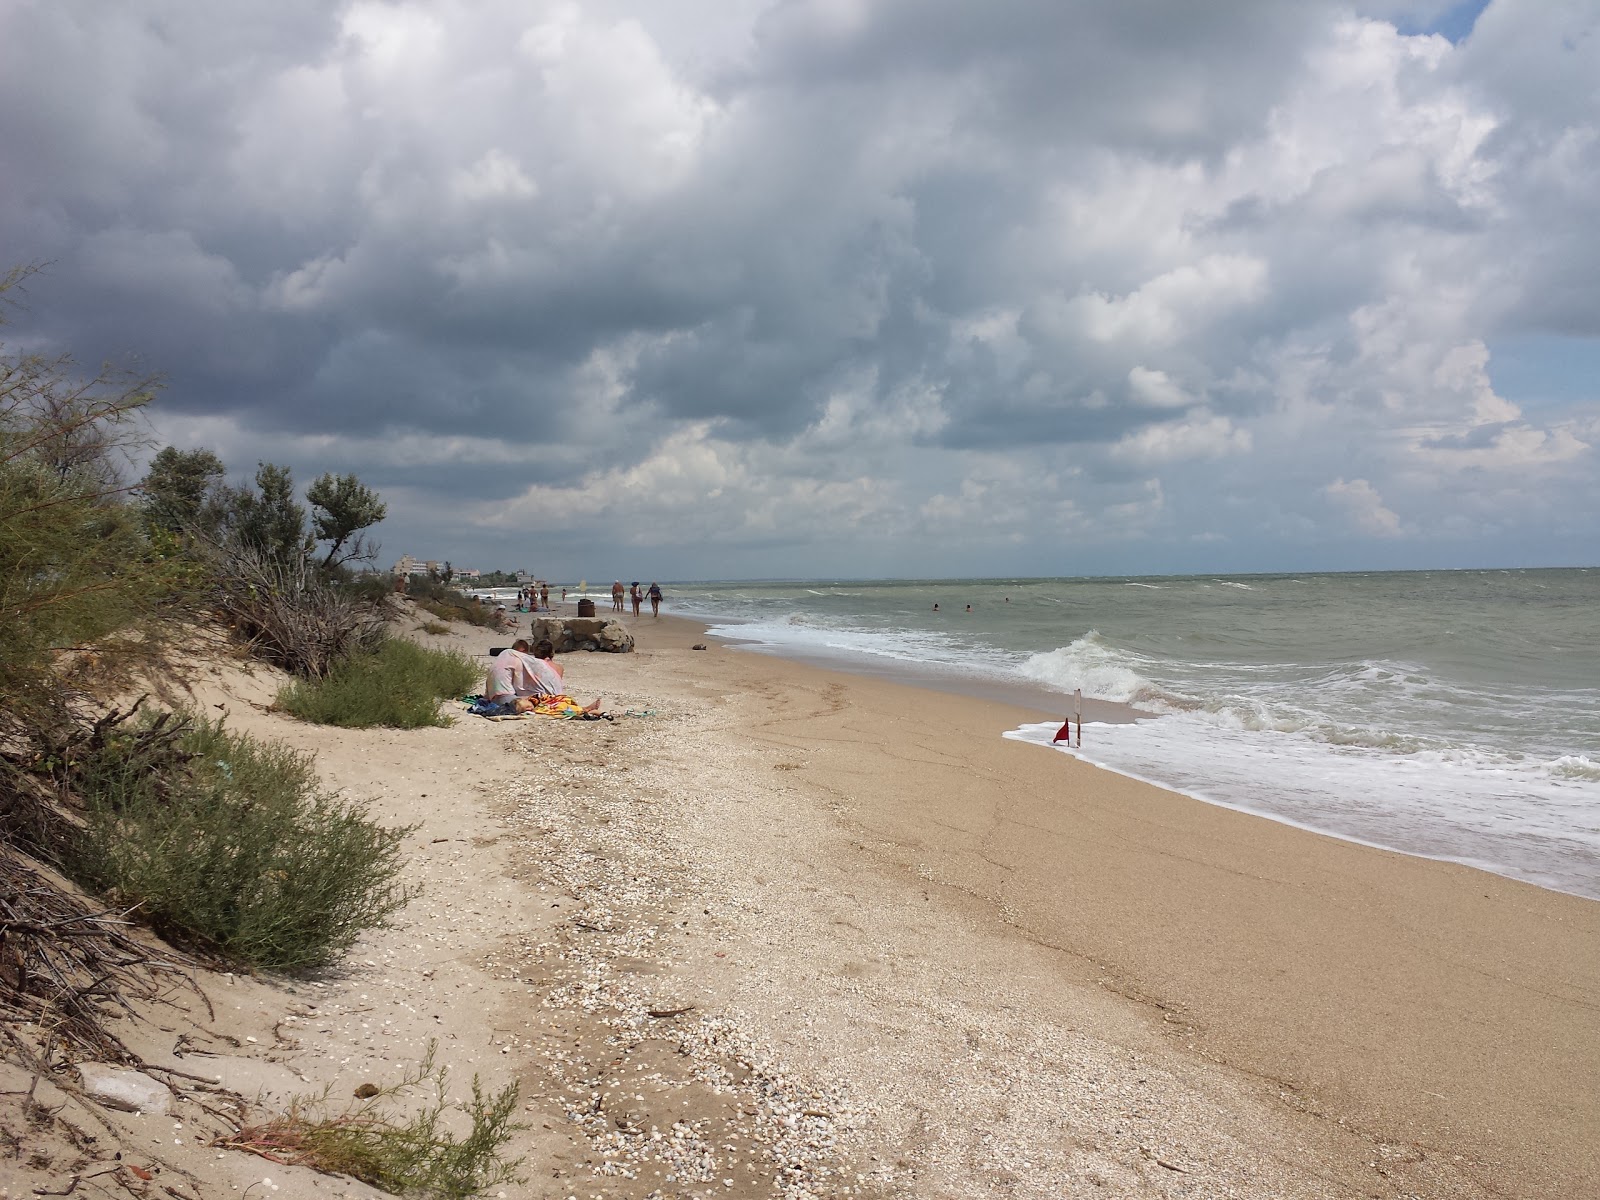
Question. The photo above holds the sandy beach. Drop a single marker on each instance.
(778, 931)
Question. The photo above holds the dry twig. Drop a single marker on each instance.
(66, 965)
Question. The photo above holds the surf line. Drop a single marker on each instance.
(1064, 734)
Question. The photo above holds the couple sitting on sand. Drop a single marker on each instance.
(526, 679)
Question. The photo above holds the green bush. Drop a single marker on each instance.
(449, 604)
(230, 845)
(399, 685)
(468, 611)
(371, 587)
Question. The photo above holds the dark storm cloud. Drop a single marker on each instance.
(1166, 76)
(568, 260)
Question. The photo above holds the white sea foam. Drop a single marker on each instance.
(806, 634)
(1102, 671)
(1575, 766)
(1457, 804)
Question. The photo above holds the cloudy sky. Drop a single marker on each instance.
(753, 288)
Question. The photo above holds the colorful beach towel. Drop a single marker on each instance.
(561, 707)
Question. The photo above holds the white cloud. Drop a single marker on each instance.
(1201, 435)
(495, 176)
(1173, 305)
(1364, 507)
(1157, 389)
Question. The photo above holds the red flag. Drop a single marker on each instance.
(1064, 734)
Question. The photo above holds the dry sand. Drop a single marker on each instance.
(787, 932)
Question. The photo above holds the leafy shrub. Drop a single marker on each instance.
(399, 685)
(413, 1155)
(448, 604)
(231, 845)
(370, 586)
(436, 628)
(75, 567)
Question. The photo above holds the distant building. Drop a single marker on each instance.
(406, 565)
(468, 573)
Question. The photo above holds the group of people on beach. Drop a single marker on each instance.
(525, 677)
(636, 597)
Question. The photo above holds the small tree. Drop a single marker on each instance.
(268, 520)
(180, 490)
(79, 589)
(342, 506)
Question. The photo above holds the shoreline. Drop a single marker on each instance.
(1306, 827)
(1355, 975)
(1052, 706)
(1020, 694)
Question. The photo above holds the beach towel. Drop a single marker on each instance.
(561, 707)
(564, 707)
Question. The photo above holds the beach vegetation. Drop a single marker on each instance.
(290, 612)
(225, 845)
(399, 684)
(436, 628)
(266, 519)
(417, 1153)
(448, 604)
(229, 845)
(180, 491)
(341, 507)
(253, 552)
(374, 587)
(84, 596)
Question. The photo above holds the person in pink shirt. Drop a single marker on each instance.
(525, 676)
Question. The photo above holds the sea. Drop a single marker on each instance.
(1449, 714)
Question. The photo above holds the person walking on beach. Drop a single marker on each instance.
(637, 597)
(544, 596)
(616, 596)
(655, 600)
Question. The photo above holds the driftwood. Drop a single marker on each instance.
(288, 613)
(67, 966)
(39, 805)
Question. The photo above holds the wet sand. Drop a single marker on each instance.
(1444, 1016)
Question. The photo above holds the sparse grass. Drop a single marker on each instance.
(469, 611)
(399, 686)
(413, 1154)
(448, 604)
(230, 845)
(434, 627)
